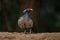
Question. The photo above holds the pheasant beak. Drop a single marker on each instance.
(31, 9)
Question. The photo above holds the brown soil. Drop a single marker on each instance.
(22, 36)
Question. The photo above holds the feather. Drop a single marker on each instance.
(25, 22)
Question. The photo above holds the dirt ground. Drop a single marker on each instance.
(22, 36)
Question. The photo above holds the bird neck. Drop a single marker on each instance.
(26, 13)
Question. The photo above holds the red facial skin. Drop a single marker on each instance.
(29, 9)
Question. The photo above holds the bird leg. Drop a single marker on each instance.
(25, 31)
(30, 31)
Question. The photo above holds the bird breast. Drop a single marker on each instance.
(25, 20)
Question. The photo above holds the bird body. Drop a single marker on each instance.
(25, 22)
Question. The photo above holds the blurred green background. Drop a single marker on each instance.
(46, 14)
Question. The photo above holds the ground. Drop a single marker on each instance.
(22, 36)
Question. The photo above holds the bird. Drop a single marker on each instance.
(25, 22)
